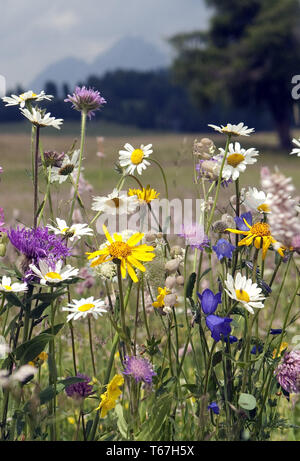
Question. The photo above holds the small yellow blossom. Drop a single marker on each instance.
(282, 347)
(160, 299)
(144, 195)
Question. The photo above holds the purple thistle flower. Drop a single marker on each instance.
(209, 301)
(214, 407)
(80, 390)
(195, 236)
(87, 100)
(288, 372)
(36, 244)
(139, 368)
(218, 326)
(223, 249)
(240, 223)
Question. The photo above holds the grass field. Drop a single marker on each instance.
(174, 151)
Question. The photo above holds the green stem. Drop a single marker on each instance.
(83, 126)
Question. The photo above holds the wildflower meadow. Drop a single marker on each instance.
(141, 316)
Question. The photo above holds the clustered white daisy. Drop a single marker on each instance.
(135, 159)
(75, 231)
(28, 96)
(69, 166)
(115, 203)
(48, 274)
(7, 286)
(85, 306)
(236, 130)
(258, 200)
(244, 291)
(39, 118)
(236, 161)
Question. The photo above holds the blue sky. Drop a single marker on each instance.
(36, 33)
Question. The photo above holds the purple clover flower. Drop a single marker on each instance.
(80, 390)
(218, 326)
(195, 236)
(209, 301)
(214, 407)
(288, 372)
(139, 368)
(36, 244)
(87, 100)
(223, 249)
(240, 223)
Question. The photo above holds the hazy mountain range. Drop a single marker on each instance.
(128, 53)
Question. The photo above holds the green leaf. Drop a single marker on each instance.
(247, 401)
(190, 285)
(121, 422)
(34, 348)
(14, 300)
(217, 358)
(31, 349)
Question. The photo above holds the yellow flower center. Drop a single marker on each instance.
(261, 229)
(65, 229)
(242, 295)
(53, 275)
(137, 156)
(119, 250)
(7, 287)
(23, 94)
(264, 207)
(235, 159)
(86, 307)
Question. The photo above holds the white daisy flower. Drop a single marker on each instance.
(46, 273)
(36, 117)
(236, 161)
(115, 203)
(69, 165)
(235, 130)
(258, 200)
(9, 287)
(84, 307)
(28, 96)
(132, 158)
(296, 150)
(20, 375)
(72, 232)
(244, 291)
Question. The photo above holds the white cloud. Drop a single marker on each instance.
(34, 34)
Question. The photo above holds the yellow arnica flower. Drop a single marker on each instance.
(144, 195)
(129, 253)
(109, 398)
(260, 235)
(160, 300)
(282, 347)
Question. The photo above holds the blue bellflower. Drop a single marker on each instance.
(209, 301)
(223, 249)
(218, 326)
(214, 407)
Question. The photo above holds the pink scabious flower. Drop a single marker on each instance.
(139, 368)
(288, 372)
(195, 236)
(86, 100)
(284, 220)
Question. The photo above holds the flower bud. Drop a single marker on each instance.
(170, 282)
(180, 280)
(170, 300)
(172, 265)
(204, 148)
(176, 250)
